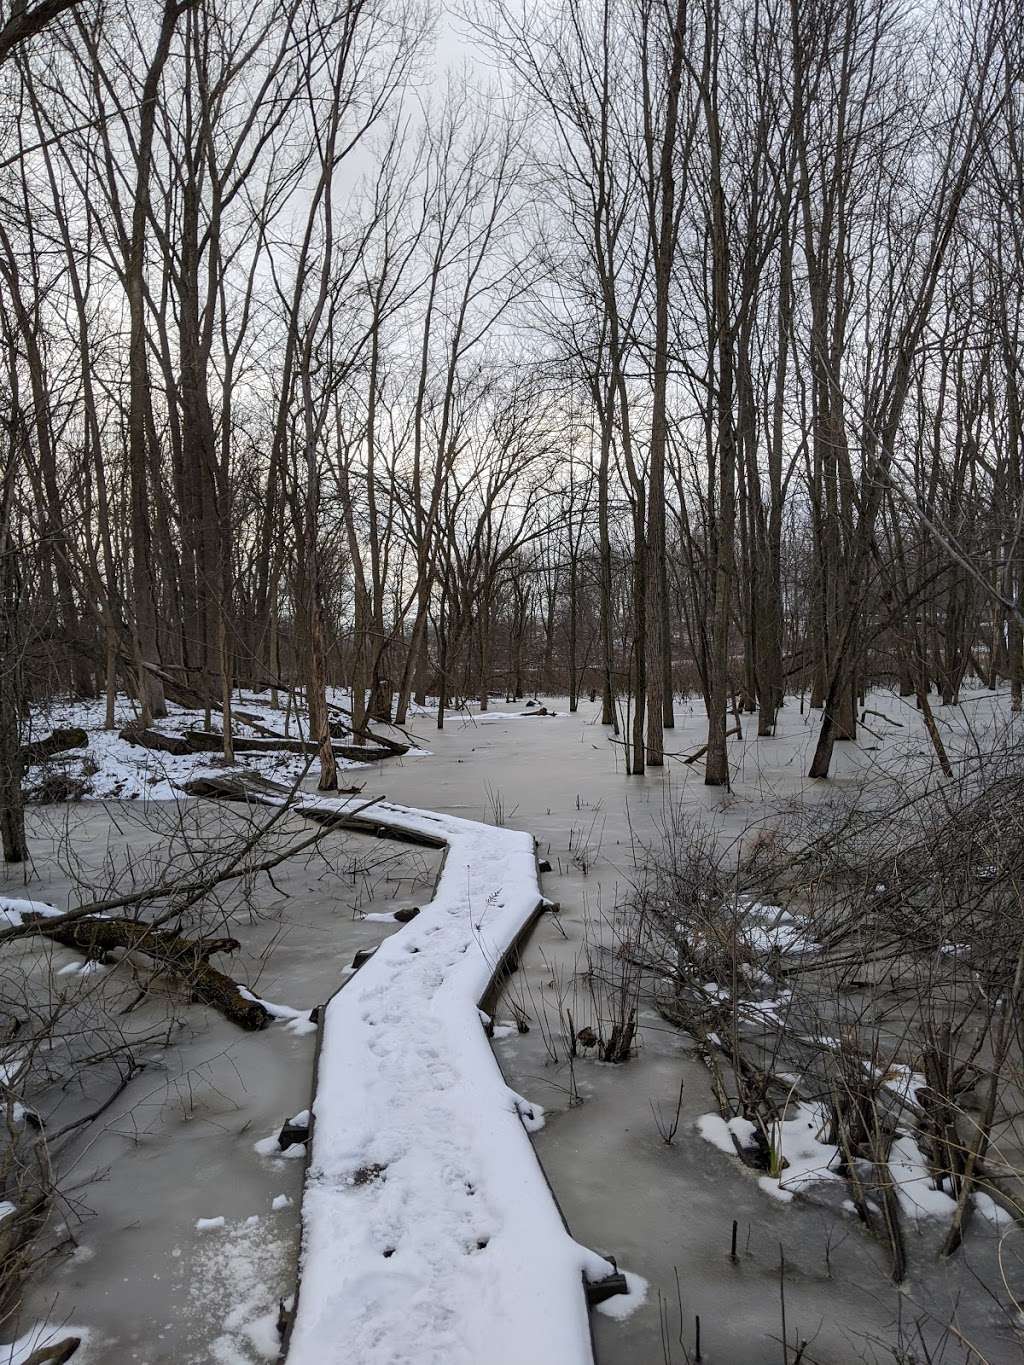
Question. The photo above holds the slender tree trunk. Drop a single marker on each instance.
(150, 689)
(716, 768)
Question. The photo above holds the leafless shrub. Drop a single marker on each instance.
(885, 995)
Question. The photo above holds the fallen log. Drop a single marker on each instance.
(337, 729)
(210, 741)
(881, 716)
(73, 737)
(204, 741)
(155, 739)
(178, 689)
(56, 1354)
(243, 786)
(393, 746)
(56, 788)
(187, 959)
(736, 730)
(254, 723)
(234, 786)
(249, 717)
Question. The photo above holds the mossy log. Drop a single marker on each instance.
(184, 958)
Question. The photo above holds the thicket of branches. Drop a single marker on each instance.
(686, 356)
(880, 994)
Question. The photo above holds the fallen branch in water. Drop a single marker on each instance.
(186, 959)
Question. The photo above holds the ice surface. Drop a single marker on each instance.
(657, 1207)
(235, 1273)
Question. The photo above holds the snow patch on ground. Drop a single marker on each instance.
(771, 929)
(13, 912)
(994, 1212)
(87, 968)
(113, 769)
(804, 1159)
(801, 1157)
(720, 1132)
(914, 1184)
(903, 1082)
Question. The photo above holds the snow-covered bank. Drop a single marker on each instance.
(109, 768)
(429, 1232)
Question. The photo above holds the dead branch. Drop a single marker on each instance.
(210, 741)
(186, 959)
(155, 739)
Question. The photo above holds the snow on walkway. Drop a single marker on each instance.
(429, 1232)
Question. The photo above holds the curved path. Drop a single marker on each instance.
(429, 1233)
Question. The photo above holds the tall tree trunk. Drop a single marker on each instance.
(150, 688)
(716, 768)
(12, 699)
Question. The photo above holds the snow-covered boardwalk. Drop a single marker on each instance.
(429, 1234)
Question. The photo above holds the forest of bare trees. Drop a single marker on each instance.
(671, 346)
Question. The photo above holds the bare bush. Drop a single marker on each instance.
(859, 968)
